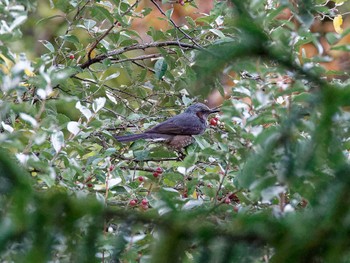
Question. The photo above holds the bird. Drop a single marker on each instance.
(176, 132)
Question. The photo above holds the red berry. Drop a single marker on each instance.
(144, 207)
(213, 122)
(140, 178)
(156, 174)
(89, 185)
(216, 118)
(184, 195)
(159, 170)
(71, 56)
(234, 197)
(227, 200)
(132, 202)
(111, 168)
(144, 202)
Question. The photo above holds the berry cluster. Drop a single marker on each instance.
(158, 172)
(214, 121)
(143, 203)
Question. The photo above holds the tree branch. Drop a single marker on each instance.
(146, 160)
(143, 57)
(138, 168)
(122, 50)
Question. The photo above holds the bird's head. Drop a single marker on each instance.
(201, 110)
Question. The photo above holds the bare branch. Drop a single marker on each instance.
(143, 57)
(122, 50)
(146, 160)
(138, 168)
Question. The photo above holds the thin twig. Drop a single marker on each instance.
(94, 45)
(221, 183)
(147, 160)
(143, 57)
(69, 28)
(114, 90)
(151, 70)
(138, 168)
(145, 67)
(176, 26)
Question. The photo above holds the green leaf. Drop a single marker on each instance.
(63, 5)
(84, 110)
(113, 76)
(332, 38)
(218, 33)
(141, 155)
(72, 39)
(89, 24)
(98, 104)
(306, 18)
(48, 45)
(45, 19)
(341, 47)
(62, 75)
(57, 141)
(73, 127)
(160, 68)
(102, 13)
(190, 21)
(192, 204)
(189, 160)
(169, 13)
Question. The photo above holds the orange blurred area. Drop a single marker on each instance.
(339, 59)
(156, 19)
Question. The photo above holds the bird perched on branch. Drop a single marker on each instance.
(177, 131)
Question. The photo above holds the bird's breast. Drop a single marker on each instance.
(180, 141)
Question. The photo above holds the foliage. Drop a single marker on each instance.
(268, 182)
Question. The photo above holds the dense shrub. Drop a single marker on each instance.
(267, 182)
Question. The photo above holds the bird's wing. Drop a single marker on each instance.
(183, 124)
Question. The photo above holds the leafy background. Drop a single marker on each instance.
(267, 182)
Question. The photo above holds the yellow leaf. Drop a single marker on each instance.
(4, 69)
(339, 2)
(93, 52)
(337, 23)
(7, 66)
(54, 93)
(195, 195)
(29, 73)
(24, 84)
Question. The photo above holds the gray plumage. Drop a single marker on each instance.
(176, 131)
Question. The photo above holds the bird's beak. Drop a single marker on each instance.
(215, 110)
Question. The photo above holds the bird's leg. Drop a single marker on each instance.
(180, 155)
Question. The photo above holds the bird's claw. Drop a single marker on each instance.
(180, 155)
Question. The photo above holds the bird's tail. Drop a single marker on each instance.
(131, 137)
